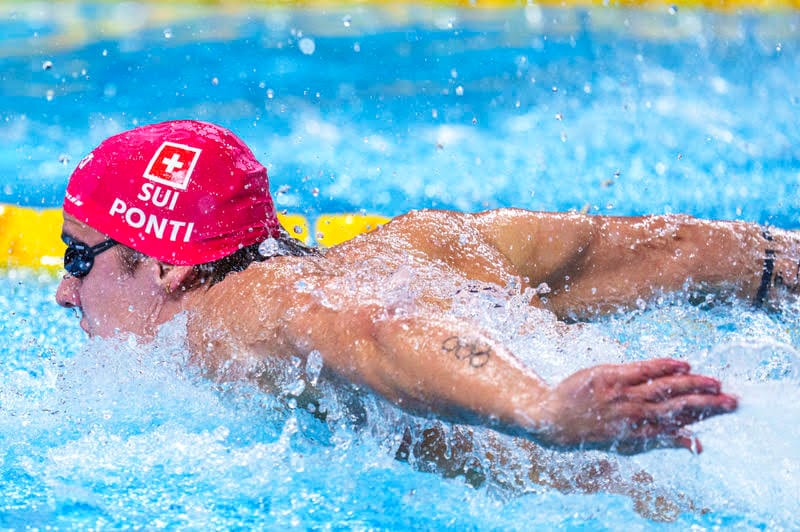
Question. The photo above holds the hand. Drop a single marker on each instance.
(631, 408)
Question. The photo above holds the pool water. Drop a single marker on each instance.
(609, 111)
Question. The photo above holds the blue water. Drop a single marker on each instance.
(605, 110)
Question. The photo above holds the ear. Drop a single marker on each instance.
(175, 278)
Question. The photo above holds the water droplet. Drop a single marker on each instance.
(63, 159)
(105, 53)
(314, 364)
(298, 230)
(346, 20)
(49, 95)
(167, 33)
(778, 47)
(270, 94)
(215, 81)
(474, 121)
(315, 192)
(673, 10)
(131, 308)
(453, 73)
(563, 136)
(559, 116)
(356, 47)
(460, 91)
(587, 88)
(47, 65)
(554, 88)
(434, 113)
(269, 248)
(307, 46)
(543, 288)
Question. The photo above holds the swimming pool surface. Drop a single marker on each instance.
(610, 111)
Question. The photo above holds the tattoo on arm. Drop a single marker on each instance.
(477, 355)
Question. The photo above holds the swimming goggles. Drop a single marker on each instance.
(79, 257)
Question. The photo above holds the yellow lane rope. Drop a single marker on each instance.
(32, 237)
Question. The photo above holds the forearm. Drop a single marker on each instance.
(431, 365)
(632, 259)
(446, 367)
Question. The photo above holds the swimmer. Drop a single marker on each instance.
(177, 218)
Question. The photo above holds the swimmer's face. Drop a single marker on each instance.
(111, 300)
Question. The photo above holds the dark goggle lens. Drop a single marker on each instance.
(79, 257)
(78, 260)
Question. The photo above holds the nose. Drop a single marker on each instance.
(67, 292)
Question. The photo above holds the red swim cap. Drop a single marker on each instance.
(184, 192)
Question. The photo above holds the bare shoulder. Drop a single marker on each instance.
(427, 223)
(248, 308)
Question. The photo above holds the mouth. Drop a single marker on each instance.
(84, 323)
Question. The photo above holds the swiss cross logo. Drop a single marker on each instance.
(173, 165)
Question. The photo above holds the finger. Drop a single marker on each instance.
(673, 386)
(650, 436)
(688, 409)
(640, 372)
(687, 440)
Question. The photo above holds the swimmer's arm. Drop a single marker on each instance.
(601, 263)
(436, 365)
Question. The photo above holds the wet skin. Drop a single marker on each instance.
(423, 361)
(110, 299)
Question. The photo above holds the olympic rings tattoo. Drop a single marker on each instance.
(477, 356)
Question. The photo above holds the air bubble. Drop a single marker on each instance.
(346, 20)
(168, 33)
(47, 65)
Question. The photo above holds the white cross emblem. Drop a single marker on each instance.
(173, 164)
